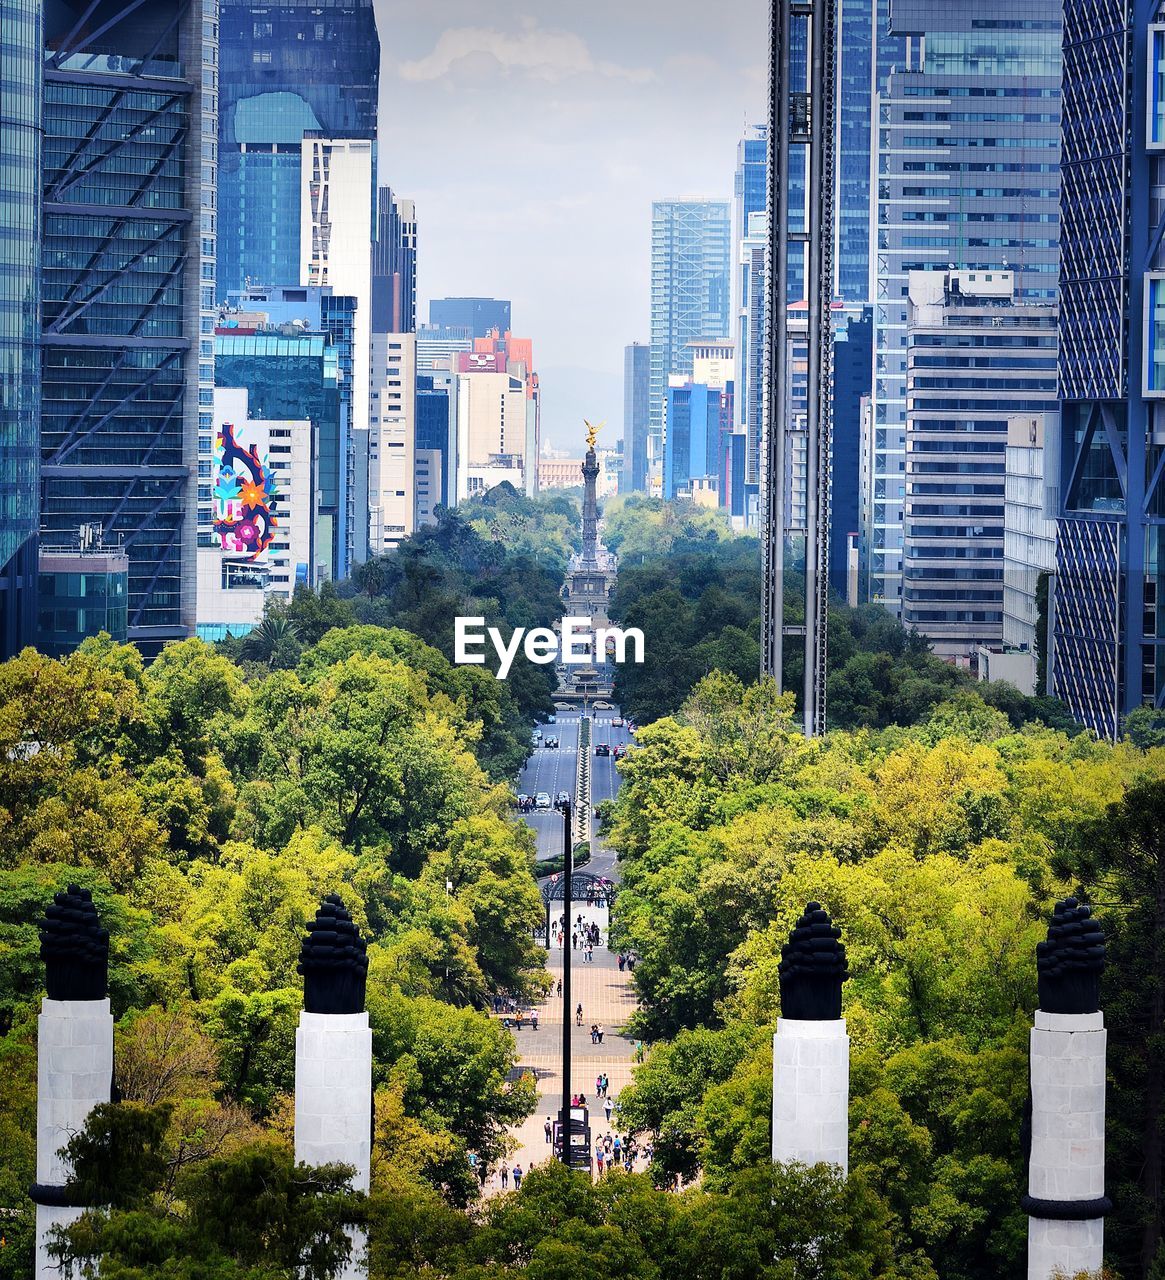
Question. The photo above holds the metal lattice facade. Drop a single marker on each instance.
(128, 288)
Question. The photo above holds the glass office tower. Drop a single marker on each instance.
(21, 44)
(1108, 604)
(636, 388)
(968, 177)
(128, 288)
(691, 247)
(287, 69)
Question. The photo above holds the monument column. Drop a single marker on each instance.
(333, 1057)
(74, 1055)
(811, 1047)
(1065, 1197)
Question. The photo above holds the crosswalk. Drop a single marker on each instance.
(603, 720)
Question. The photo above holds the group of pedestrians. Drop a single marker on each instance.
(626, 962)
(613, 1150)
(596, 1033)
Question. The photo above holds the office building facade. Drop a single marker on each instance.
(1108, 608)
(968, 163)
(20, 164)
(479, 315)
(853, 352)
(636, 406)
(264, 516)
(752, 254)
(392, 441)
(976, 356)
(394, 265)
(691, 247)
(128, 251)
(286, 70)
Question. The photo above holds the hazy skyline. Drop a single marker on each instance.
(534, 139)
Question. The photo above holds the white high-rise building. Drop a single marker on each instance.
(337, 193)
(491, 432)
(265, 509)
(392, 441)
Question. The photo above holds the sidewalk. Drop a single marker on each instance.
(607, 998)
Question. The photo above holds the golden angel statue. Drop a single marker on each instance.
(593, 431)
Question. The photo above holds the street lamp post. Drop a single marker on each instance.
(567, 1011)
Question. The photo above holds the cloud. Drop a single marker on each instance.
(535, 52)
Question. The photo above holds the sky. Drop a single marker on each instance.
(534, 137)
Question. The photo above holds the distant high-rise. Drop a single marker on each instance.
(752, 252)
(636, 403)
(968, 177)
(479, 315)
(285, 69)
(691, 246)
(20, 161)
(976, 355)
(394, 265)
(853, 351)
(128, 288)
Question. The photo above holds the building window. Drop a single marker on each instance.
(1155, 334)
(1155, 125)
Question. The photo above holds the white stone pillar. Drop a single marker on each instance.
(811, 1092)
(333, 1059)
(811, 1047)
(74, 1074)
(333, 1104)
(1066, 1170)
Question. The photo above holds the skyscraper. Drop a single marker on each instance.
(394, 265)
(968, 177)
(286, 69)
(128, 288)
(976, 356)
(20, 161)
(752, 253)
(691, 243)
(636, 402)
(479, 315)
(1108, 649)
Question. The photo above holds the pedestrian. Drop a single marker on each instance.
(638, 1050)
(599, 1029)
(505, 1175)
(517, 1176)
(599, 1085)
(482, 1173)
(574, 941)
(607, 1107)
(534, 1019)
(617, 1149)
(622, 961)
(594, 1034)
(607, 1143)
(560, 980)
(606, 1084)
(578, 1017)
(599, 1159)
(548, 1129)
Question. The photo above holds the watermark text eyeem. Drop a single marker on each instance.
(578, 643)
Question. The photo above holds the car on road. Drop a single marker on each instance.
(602, 749)
(620, 751)
(523, 800)
(618, 722)
(536, 737)
(551, 743)
(551, 720)
(542, 800)
(602, 706)
(563, 800)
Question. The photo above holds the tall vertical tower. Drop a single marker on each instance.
(287, 69)
(20, 161)
(690, 288)
(1108, 617)
(801, 139)
(968, 151)
(128, 287)
(636, 403)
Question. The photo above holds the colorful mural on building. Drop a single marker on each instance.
(244, 496)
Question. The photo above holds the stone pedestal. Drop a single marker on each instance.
(333, 1103)
(811, 1092)
(1066, 1200)
(74, 1074)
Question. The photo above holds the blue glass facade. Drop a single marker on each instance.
(433, 431)
(394, 265)
(1108, 653)
(636, 401)
(478, 315)
(699, 431)
(21, 43)
(853, 355)
(690, 287)
(286, 69)
(127, 284)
